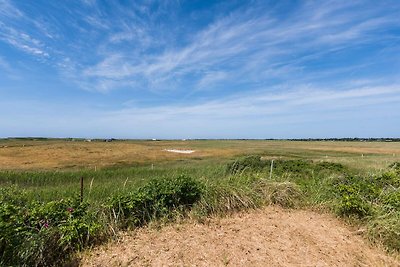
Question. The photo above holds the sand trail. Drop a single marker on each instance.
(267, 237)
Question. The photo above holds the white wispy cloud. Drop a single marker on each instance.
(7, 9)
(11, 33)
(265, 103)
(22, 41)
(249, 45)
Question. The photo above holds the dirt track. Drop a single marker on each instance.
(267, 237)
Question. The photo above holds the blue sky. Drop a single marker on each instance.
(200, 69)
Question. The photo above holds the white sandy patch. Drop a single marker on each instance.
(180, 151)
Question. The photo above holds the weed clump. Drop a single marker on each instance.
(386, 230)
(230, 194)
(391, 199)
(395, 166)
(285, 194)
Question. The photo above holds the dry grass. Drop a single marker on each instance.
(61, 154)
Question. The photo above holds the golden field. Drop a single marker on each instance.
(24, 154)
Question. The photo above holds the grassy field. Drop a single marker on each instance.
(51, 169)
(61, 154)
(129, 183)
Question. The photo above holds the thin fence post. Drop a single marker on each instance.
(270, 172)
(90, 187)
(81, 189)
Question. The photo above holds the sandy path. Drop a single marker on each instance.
(268, 237)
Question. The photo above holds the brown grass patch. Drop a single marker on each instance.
(60, 154)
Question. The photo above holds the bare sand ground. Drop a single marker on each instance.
(267, 237)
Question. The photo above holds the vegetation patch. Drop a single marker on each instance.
(248, 163)
(285, 194)
(385, 229)
(43, 234)
(46, 229)
(154, 200)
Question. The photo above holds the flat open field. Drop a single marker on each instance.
(215, 207)
(60, 154)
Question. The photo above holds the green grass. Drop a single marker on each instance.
(120, 197)
(103, 183)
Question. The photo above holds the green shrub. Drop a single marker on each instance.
(355, 195)
(154, 200)
(352, 204)
(42, 234)
(248, 163)
(292, 166)
(330, 166)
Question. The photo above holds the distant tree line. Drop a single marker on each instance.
(345, 139)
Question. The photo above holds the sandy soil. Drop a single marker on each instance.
(180, 151)
(269, 237)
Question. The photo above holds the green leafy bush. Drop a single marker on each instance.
(330, 166)
(248, 163)
(292, 166)
(42, 234)
(155, 199)
(353, 204)
(355, 196)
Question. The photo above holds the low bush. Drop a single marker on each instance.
(292, 166)
(154, 200)
(330, 166)
(248, 163)
(355, 195)
(43, 234)
(358, 195)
